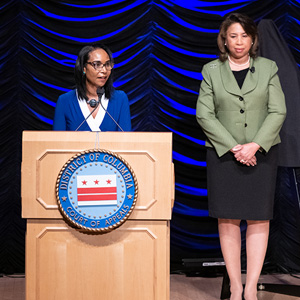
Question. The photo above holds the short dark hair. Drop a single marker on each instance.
(80, 79)
(248, 25)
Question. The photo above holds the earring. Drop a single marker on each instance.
(83, 73)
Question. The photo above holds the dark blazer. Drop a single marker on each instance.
(229, 115)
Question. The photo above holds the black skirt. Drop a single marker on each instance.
(236, 191)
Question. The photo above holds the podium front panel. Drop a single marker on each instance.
(130, 263)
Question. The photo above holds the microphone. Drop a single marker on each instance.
(93, 103)
(252, 69)
(100, 92)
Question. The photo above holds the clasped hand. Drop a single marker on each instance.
(245, 153)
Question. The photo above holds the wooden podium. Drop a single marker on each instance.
(128, 263)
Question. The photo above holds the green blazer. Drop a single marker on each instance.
(229, 115)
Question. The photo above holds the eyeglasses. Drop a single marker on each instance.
(98, 65)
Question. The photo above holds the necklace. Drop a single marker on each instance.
(239, 65)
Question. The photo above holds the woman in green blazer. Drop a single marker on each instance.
(241, 109)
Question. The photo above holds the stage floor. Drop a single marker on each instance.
(189, 288)
(182, 287)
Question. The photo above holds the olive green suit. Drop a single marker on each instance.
(229, 115)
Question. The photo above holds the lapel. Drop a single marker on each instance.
(251, 79)
(230, 83)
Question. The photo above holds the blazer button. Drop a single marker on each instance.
(241, 98)
(242, 111)
(246, 124)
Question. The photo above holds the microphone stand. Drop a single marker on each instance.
(87, 117)
(100, 92)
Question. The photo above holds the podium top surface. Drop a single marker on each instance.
(88, 136)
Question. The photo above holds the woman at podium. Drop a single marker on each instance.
(94, 105)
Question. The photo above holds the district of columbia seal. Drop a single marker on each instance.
(96, 191)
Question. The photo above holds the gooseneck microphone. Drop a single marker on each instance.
(94, 104)
(252, 69)
(100, 92)
(87, 116)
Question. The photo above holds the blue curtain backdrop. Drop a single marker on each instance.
(159, 48)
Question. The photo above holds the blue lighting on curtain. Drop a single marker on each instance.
(6, 4)
(186, 24)
(195, 4)
(3, 64)
(186, 52)
(194, 233)
(169, 114)
(71, 56)
(190, 74)
(188, 160)
(87, 40)
(118, 53)
(190, 190)
(197, 141)
(89, 19)
(190, 243)
(42, 118)
(66, 62)
(296, 20)
(130, 58)
(173, 83)
(45, 100)
(108, 3)
(178, 106)
(166, 31)
(118, 83)
(51, 85)
(182, 209)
